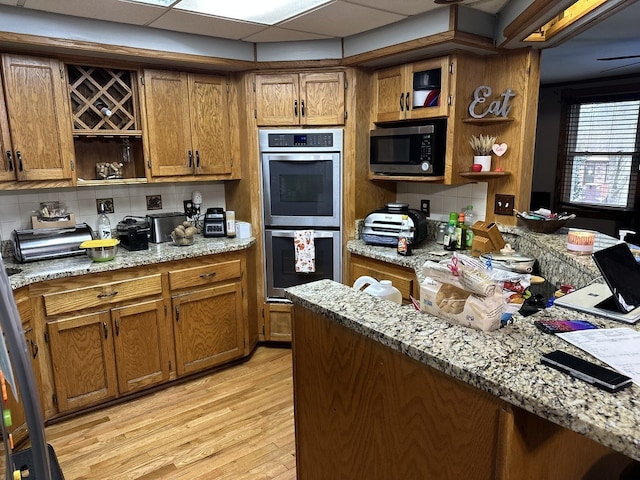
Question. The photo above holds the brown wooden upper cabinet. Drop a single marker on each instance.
(187, 123)
(35, 131)
(412, 91)
(290, 99)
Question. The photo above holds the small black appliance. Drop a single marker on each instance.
(133, 233)
(215, 223)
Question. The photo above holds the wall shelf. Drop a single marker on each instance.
(484, 175)
(487, 121)
(406, 178)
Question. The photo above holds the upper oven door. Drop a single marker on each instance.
(301, 189)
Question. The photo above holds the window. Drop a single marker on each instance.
(601, 153)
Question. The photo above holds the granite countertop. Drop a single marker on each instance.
(33, 272)
(504, 363)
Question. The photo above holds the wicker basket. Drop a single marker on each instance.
(543, 226)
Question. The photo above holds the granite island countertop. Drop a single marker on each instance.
(504, 363)
(33, 272)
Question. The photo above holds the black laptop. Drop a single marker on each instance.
(619, 297)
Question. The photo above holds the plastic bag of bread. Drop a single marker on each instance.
(460, 306)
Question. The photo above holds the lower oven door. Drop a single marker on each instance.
(280, 271)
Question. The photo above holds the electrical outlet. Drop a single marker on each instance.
(424, 206)
(504, 204)
(190, 210)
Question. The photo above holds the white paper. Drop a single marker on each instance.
(617, 347)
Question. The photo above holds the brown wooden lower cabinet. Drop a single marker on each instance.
(404, 279)
(277, 322)
(365, 411)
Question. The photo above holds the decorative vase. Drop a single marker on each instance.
(484, 160)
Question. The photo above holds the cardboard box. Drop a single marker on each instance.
(37, 223)
(487, 238)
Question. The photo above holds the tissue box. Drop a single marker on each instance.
(243, 230)
(460, 306)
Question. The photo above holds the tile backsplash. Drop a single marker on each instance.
(445, 198)
(17, 207)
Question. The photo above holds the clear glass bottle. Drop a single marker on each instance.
(405, 237)
(440, 233)
(104, 225)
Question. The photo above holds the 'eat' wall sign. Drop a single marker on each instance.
(499, 108)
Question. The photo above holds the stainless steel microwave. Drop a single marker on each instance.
(414, 150)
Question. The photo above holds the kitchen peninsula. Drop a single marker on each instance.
(383, 391)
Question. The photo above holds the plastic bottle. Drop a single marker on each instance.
(450, 234)
(469, 219)
(461, 233)
(405, 237)
(383, 288)
(442, 230)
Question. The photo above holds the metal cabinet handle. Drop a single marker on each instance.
(10, 158)
(19, 158)
(197, 159)
(208, 275)
(295, 108)
(106, 331)
(177, 314)
(108, 295)
(190, 155)
(117, 327)
(402, 102)
(34, 349)
(302, 107)
(406, 102)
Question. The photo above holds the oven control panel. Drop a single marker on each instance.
(301, 140)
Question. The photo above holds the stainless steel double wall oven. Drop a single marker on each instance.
(302, 190)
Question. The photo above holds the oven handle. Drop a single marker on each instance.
(300, 157)
(291, 233)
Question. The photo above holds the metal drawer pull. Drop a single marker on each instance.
(107, 295)
(208, 275)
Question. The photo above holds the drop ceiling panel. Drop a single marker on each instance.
(341, 19)
(402, 7)
(109, 10)
(181, 21)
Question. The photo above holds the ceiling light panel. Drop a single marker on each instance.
(268, 12)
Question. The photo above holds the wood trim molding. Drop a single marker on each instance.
(25, 43)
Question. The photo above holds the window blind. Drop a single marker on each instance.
(602, 153)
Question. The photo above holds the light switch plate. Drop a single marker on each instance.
(504, 204)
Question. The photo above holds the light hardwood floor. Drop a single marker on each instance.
(235, 424)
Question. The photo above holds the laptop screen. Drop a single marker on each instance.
(622, 274)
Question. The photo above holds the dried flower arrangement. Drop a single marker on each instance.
(482, 145)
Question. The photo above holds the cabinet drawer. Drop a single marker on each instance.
(207, 274)
(102, 294)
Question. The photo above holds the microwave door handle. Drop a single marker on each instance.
(402, 102)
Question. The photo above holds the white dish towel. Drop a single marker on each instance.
(305, 251)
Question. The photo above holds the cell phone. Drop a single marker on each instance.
(560, 326)
(597, 375)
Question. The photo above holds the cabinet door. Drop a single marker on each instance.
(7, 164)
(38, 109)
(141, 345)
(168, 123)
(277, 101)
(210, 135)
(322, 98)
(83, 361)
(390, 94)
(278, 318)
(208, 326)
(436, 70)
